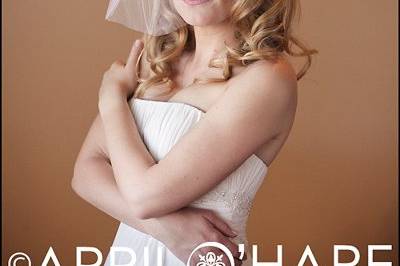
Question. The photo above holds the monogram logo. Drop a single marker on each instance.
(210, 259)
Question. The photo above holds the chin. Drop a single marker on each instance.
(203, 12)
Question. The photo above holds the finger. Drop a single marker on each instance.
(238, 262)
(233, 247)
(219, 224)
(134, 55)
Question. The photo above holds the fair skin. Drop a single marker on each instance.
(256, 107)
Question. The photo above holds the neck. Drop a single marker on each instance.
(211, 40)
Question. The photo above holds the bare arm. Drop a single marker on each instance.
(94, 181)
(260, 105)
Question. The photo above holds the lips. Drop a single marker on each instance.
(195, 2)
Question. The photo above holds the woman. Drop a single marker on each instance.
(189, 125)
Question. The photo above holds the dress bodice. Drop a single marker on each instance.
(162, 124)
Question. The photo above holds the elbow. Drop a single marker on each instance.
(141, 199)
(75, 184)
(76, 181)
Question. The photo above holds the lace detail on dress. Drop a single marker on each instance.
(237, 202)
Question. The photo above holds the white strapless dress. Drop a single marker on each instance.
(161, 125)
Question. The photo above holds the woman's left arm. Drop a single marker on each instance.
(260, 106)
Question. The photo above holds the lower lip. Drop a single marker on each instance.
(195, 2)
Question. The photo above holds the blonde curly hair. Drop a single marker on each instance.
(263, 29)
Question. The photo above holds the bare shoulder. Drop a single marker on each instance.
(267, 81)
(265, 93)
(264, 73)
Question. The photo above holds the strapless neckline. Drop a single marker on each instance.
(197, 109)
(161, 126)
(171, 102)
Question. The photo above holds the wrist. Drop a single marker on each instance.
(111, 102)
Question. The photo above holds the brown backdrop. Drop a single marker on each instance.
(335, 181)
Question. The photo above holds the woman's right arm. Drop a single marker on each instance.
(93, 180)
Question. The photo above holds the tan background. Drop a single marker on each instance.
(335, 181)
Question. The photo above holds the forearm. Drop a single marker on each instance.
(128, 154)
(139, 179)
(94, 182)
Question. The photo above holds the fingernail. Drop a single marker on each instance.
(234, 232)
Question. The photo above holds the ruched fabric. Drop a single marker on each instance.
(161, 125)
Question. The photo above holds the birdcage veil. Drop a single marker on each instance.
(154, 17)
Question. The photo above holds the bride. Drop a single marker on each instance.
(189, 124)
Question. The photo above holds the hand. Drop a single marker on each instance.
(120, 81)
(184, 230)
